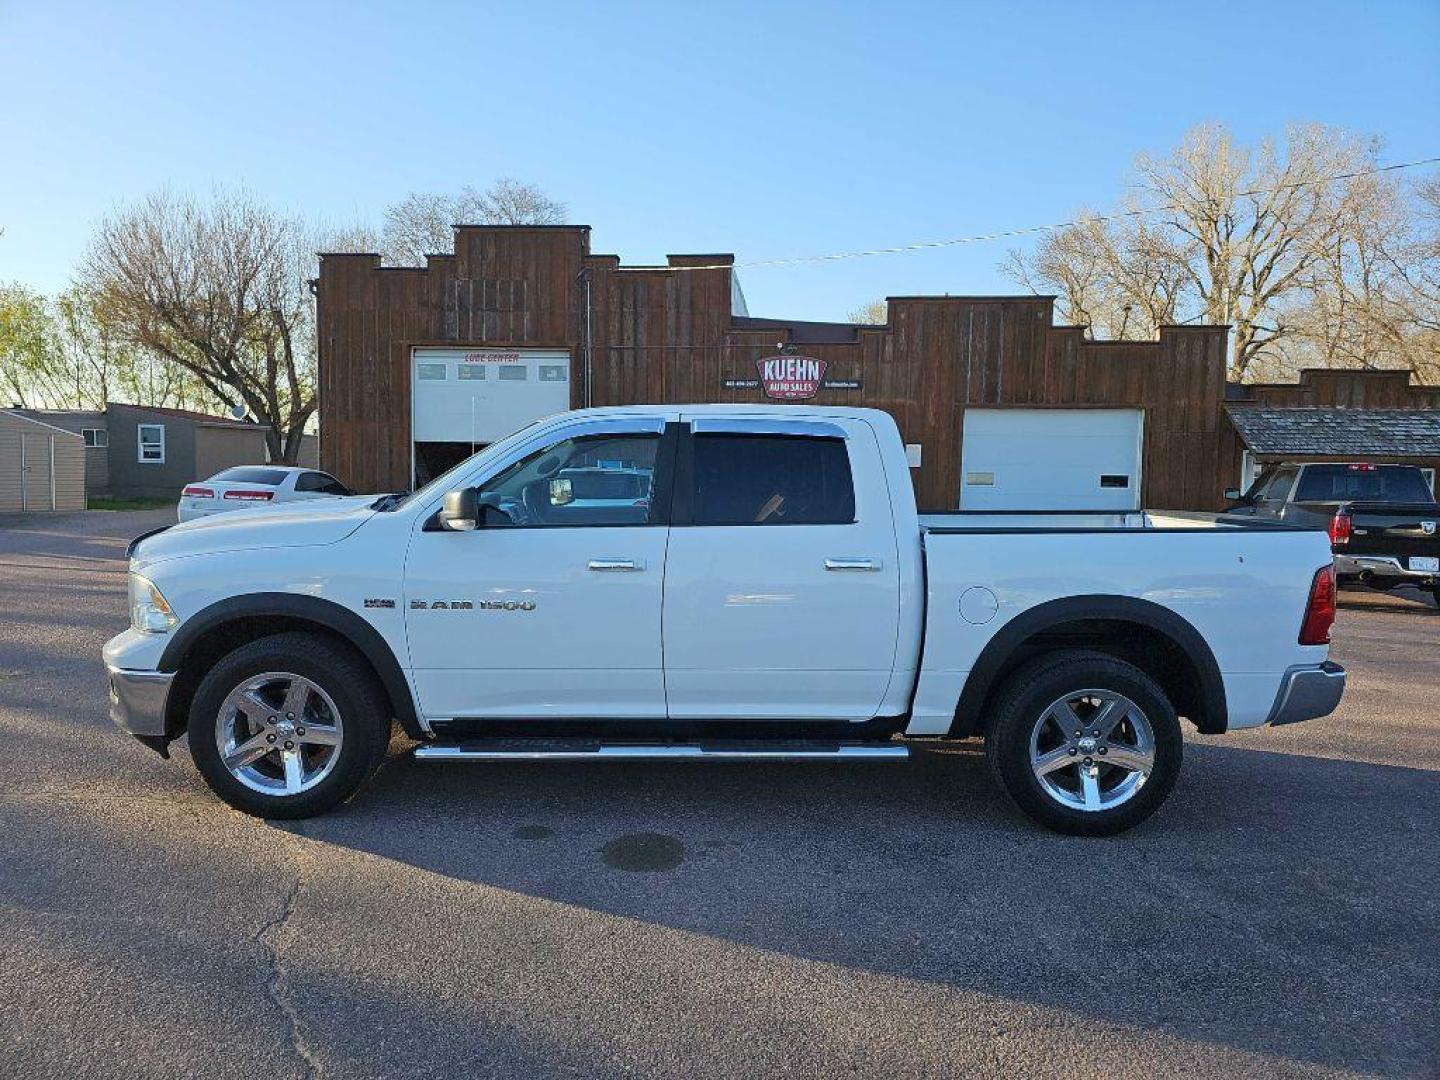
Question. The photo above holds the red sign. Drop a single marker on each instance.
(791, 378)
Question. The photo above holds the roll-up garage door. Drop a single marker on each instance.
(1051, 459)
(480, 395)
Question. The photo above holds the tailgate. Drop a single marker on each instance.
(1394, 529)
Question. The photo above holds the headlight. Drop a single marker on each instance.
(149, 611)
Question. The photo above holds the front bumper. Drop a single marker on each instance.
(137, 700)
(1307, 693)
(1382, 566)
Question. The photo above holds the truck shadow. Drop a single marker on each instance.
(1271, 906)
(1405, 599)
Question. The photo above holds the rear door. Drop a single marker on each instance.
(782, 584)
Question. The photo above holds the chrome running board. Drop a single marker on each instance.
(710, 750)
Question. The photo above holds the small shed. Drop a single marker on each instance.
(1382, 436)
(42, 467)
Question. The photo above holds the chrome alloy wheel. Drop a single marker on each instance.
(1092, 750)
(279, 733)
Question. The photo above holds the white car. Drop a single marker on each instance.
(777, 597)
(255, 485)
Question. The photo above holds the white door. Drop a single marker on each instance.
(782, 584)
(552, 608)
(1051, 459)
(480, 395)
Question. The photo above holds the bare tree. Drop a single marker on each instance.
(1215, 232)
(423, 223)
(875, 313)
(217, 288)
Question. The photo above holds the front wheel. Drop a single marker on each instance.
(1083, 743)
(288, 726)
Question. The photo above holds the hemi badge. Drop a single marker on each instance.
(382, 601)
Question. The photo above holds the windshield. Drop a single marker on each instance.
(442, 483)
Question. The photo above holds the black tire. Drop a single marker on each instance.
(341, 673)
(1021, 702)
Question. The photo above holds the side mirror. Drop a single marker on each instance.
(1233, 494)
(460, 512)
(562, 492)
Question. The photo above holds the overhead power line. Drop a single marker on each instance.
(1031, 230)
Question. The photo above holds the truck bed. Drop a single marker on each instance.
(1242, 584)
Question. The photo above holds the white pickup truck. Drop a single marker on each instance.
(715, 583)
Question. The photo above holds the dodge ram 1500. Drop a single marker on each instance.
(754, 583)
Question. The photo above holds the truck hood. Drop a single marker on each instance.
(318, 521)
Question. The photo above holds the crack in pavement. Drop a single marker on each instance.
(277, 985)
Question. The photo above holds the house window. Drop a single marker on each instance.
(151, 439)
(95, 437)
(430, 371)
(472, 371)
(513, 373)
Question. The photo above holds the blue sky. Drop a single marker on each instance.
(768, 130)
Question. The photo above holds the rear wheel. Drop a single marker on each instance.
(1083, 743)
(288, 726)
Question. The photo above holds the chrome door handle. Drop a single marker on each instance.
(616, 564)
(852, 564)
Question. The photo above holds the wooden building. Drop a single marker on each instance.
(532, 305)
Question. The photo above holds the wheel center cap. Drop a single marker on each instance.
(1086, 745)
(285, 727)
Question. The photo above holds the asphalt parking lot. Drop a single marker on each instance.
(1280, 915)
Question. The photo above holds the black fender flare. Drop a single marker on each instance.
(1012, 636)
(339, 620)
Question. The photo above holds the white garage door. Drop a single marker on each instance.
(1051, 459)
(480, 395)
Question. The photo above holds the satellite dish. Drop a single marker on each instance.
(237, 411)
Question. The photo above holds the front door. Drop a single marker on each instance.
(782, 580)
(551, 609)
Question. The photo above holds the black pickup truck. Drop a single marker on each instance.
(1382, 518)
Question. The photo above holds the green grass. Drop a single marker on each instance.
(128, 504)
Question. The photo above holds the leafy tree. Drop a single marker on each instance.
(29, 372)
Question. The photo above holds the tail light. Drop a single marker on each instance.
(1320, 610)
(1340, 529)
(250, 496)
(198, 492)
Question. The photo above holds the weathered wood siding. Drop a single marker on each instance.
(662, 335)
(1338, 388)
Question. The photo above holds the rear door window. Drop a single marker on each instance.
(771, 480)
(320, 482)
(1280, 484)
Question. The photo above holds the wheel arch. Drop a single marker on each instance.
(1159, 641)
(227, 624)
